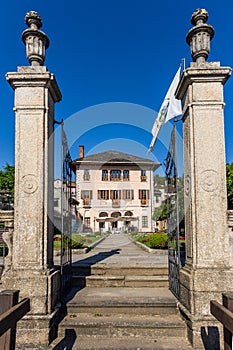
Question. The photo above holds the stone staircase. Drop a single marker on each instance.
(121, 308)
(119, 276)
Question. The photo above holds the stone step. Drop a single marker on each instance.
(119, 281)
(122, 325)
(119, 270)
(121, 300)
(71, 341)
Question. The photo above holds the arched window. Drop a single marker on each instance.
(115, 214)
(128, 213)
(104, 175)
(125, 175)
(103, 214)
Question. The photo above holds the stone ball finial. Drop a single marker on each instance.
(199, 16)
(35, 40)
(33, 20)
(199, 36)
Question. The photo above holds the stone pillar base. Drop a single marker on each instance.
(41, 286)
(197, 288)
(204, 333)
(37, 331)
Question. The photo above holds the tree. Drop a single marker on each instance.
(7, 178)
(160, 213)
(159, 180)
(229, 172)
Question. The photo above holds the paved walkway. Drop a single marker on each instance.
(119, 249)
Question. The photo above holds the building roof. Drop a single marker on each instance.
(115, 158)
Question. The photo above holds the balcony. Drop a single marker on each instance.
(116, 203)
(144, 202)
(86, 177)
(86, 203)
(143, 178)
(126, 178)
(112, 178)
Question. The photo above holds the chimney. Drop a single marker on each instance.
(81, 151)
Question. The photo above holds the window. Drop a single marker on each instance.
(125, 175)
(104, 175)
(86, 175)
(55, 202)
(144, 221)
(103, 194)
(127, 194)
(143, 194)
(86, 196)
(143, 175)
(103, 214)
(115, 175)
(115, 194)
(87, 222)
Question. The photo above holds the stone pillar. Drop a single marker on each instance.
(207, 273)
(32, 272)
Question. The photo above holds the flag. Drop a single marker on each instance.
(170, 108)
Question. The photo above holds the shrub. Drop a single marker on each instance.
(158, 240)
(77, 241)
(155, 240)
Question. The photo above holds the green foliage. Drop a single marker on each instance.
(159, 180)
(160, 213)
(7, 178)
(229, 173)
(155, 240)
(158, 240)
(77, 241)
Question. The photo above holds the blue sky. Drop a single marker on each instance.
(114, 61)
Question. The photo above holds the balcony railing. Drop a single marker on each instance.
(144, 202)
(143, 178)
(112, 178)
(86, 177)
(104, 178)
(87, 202)
(116, 203)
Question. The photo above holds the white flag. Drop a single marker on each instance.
(170, 108)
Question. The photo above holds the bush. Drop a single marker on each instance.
(77, 241)
(155, 240)
(158, 240)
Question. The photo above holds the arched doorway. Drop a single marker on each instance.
(115, 218)
(128, 215)
(103, 215)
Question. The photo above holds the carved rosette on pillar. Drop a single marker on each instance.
(208, 271)
(32, 270)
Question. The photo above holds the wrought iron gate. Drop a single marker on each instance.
(173, 216)
(66, 215)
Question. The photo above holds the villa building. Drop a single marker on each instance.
(115, 192)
